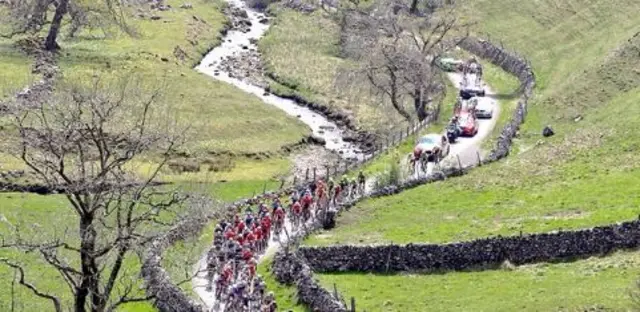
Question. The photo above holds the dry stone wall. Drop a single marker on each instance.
(291, 268)
(478, 254)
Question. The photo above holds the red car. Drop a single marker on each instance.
(468, 123)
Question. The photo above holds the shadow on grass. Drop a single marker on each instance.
(508, 96)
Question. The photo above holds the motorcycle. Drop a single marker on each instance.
(452, 133)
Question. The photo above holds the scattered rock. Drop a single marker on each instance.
(164, 59)
(187, 6)
(547, 131)
(155, 17)
(578, 118)
(264, 21)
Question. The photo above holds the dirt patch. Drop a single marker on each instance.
(312, 157)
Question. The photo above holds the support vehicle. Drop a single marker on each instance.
(450, 65)
(484, 109)
(468, 123)
(431, 148)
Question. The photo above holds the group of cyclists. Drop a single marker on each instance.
(241, 238)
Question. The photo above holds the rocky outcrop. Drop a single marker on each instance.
(478, 254)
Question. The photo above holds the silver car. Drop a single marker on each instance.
(484, 109)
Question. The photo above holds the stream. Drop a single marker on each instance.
(236, 42)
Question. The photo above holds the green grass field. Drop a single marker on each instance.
(15, 69)
(220, 117)
(303, 51)
(540, 287)
(585, 57)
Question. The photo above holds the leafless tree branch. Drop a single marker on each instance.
(54, 300)
(85, 140)
(397, 52)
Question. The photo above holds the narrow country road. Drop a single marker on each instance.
(232, 44)
(467, 149)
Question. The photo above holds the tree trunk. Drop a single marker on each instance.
(420, 104)
(393, 94)
(61, 10)
(421, 110)
(89, 285)
(414, 7)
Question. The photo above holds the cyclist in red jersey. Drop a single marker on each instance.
(230, 233)
(296, 207)
(266, 228)
(257, 233)
(240, 238)
(338, 190)
(320, 189)
(296, 211)
(279, 216)
(252, 268)
(241, 226)
(307, 200)
(247, 254)
(227, 272)
(251, 239)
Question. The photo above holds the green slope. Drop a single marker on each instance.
(586, 55)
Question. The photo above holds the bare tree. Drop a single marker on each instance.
(398, 51)
(32, 16)
(84, 141)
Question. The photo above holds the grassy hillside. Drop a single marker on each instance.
(303, 51)
(15, 69)
(585, 54)
(221, 118)
(541, 287)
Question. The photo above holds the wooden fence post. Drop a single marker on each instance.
(459, 162)
(314, 174)
(264, 187)
(306, 175)
(295, 178)
(327, 176)
(479, 159)
(353, 304)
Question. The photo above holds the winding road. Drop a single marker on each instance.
(466, 148)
